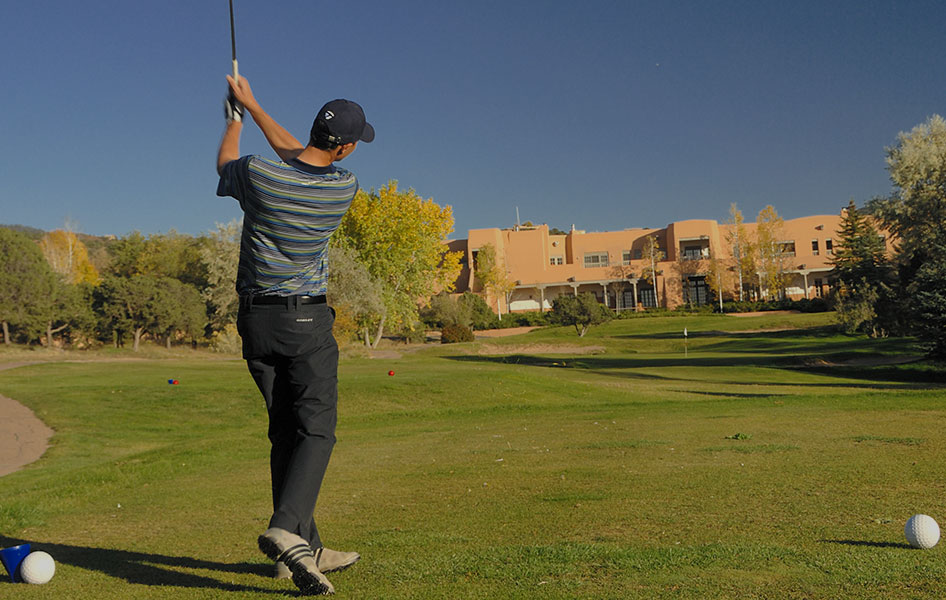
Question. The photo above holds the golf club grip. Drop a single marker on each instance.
(236, 71)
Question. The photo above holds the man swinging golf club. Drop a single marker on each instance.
(291, 208)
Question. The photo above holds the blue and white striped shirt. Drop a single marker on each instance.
(290, 213)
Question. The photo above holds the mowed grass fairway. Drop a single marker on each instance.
(768, 457)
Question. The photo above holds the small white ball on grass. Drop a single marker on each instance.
(922, 531)
(37, 568)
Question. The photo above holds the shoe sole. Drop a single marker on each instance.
(307, 582)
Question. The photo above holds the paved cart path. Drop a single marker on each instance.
(23, 437)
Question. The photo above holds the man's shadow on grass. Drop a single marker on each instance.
(150, 569)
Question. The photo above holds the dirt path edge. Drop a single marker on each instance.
(24, 438)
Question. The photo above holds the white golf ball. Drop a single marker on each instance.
(922, 531)
(37, 567)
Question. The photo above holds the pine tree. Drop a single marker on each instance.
(859, 257)
(865, 301)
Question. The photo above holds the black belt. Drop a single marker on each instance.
(283, 300)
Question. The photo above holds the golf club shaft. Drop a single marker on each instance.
(236, 71)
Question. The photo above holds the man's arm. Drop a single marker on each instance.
(229, 145)
(284, 143)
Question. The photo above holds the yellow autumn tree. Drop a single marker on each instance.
(491, 272)
(770, 255)
(399, 238)
(652, 254)
(742, 250)
(69, 257)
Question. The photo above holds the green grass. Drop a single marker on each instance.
(764, 457)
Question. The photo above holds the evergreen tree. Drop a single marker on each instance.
(927, 293)
(865, 300)
(859, 255)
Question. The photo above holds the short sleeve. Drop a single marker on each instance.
(235, 178)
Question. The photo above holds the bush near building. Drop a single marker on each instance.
(452, 334)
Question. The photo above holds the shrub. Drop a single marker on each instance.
(529, 319)
(417, 335)
(581, 311)
(481, 315)
(693, 309)
(227, 341)
(446, 310)
(452, 334)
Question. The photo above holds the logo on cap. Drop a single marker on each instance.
(329, 114)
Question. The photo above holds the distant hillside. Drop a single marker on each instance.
(31, 232)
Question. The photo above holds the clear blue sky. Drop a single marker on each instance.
(607, 114)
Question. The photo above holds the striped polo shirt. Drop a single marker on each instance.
(290, 212)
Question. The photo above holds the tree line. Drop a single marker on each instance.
(175, 288)
(903, 293)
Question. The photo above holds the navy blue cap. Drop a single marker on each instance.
(342, 122)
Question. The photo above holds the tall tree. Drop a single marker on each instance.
(769, 253)
(353, 292)
(177, 309)
(916, 211)
(399, 238)
(26, 283)
(914, 215)
(124, 254)
(859, 254)
(68, 256)
(652, 254)
(740, 246)
(864, 298)
(492, 275)
(927, 293)
(720, 278)
(130, 305)
(220, 255)
(68, 310)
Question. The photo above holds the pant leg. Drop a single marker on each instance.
(271, 379)
(313, 380)
(293, 358)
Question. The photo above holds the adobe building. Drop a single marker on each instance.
(613, 264)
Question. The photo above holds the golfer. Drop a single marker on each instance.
(291, 208)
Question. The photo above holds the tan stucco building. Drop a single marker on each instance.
(610, 264)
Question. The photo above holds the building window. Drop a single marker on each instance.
(814, 247)
(693, 252)
(628, 299)
(647, 297)
(829, 247)
(787, 248)
(556, 260)
(626, 258)
(695, 291)
(596, 259)
(638, 254)
(818, 288)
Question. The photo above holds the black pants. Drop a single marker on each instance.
(293, 357)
